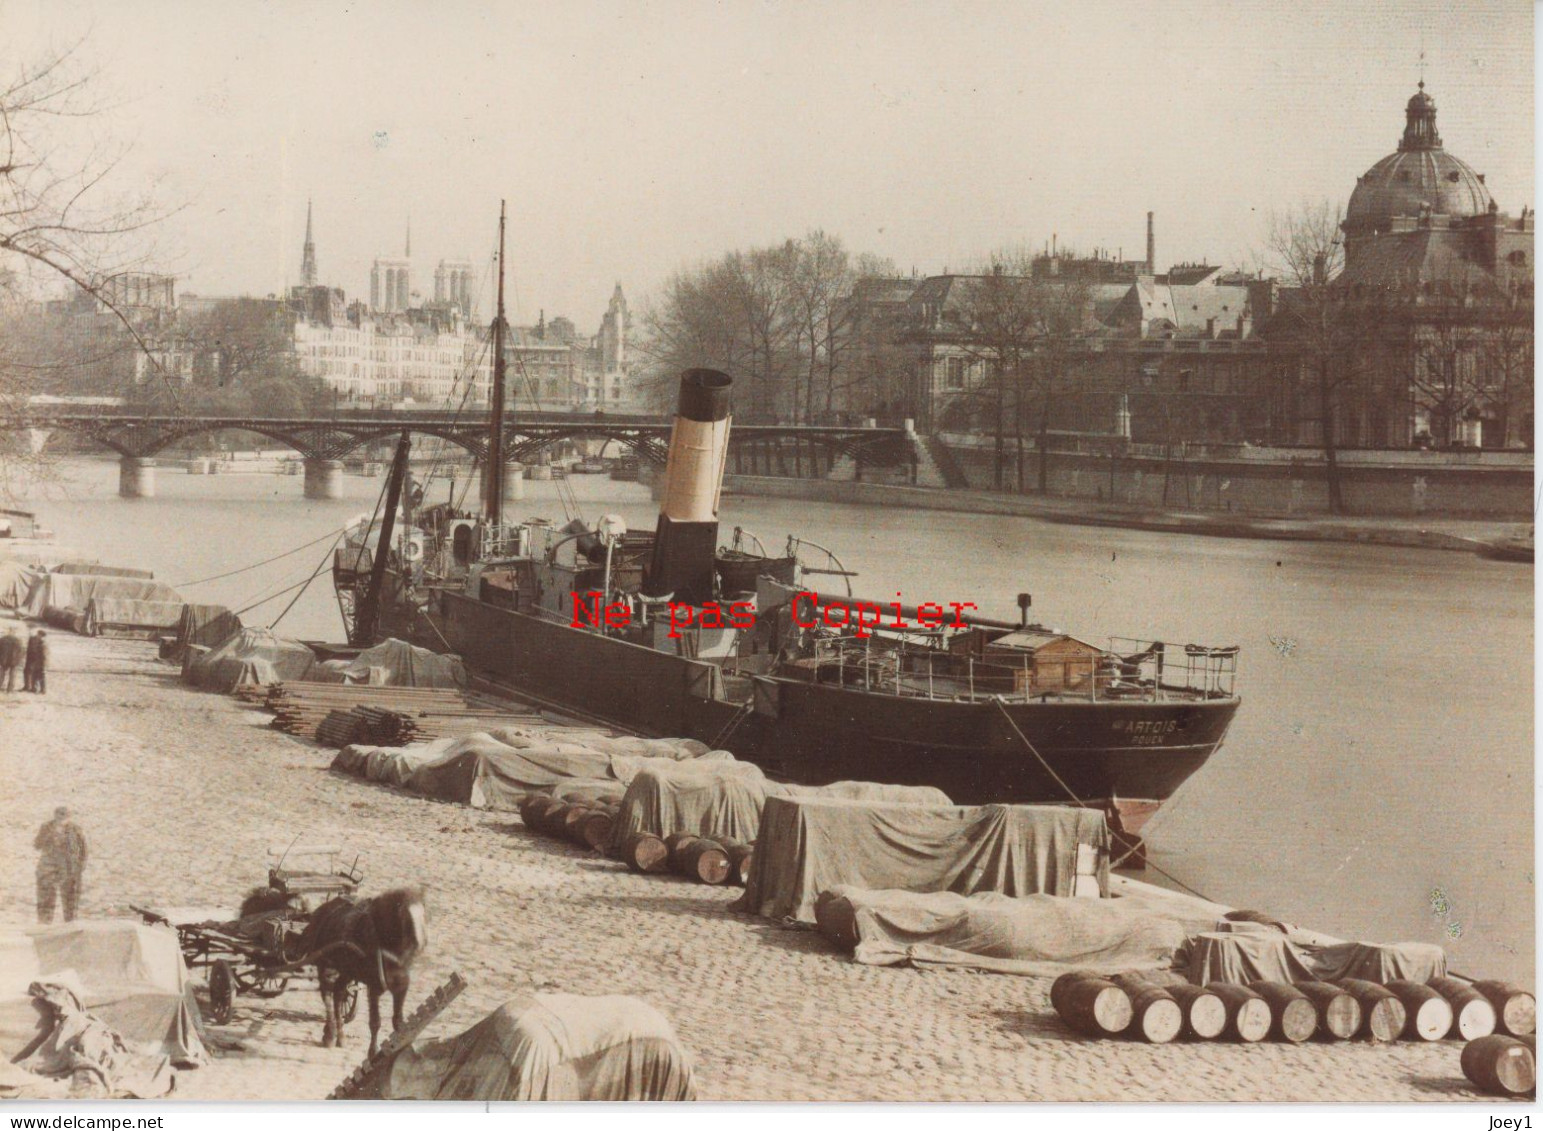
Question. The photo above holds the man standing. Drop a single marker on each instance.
(37, 662)
(12, 652)
(61, 862)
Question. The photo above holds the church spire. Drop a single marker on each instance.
(308, 254)
(408, 253)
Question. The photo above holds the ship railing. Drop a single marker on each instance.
(1164, 669)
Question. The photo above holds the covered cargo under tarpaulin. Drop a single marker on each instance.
(495, 769)
(725, 799)
(251, 655)
(812, 844)
(561, 1047)
(396, 663)
(76, 591)
(137, 620)
(97, 569)
(128, 975)
(206, 625)
(1031, 934)
(1254, 952)
(16, 581)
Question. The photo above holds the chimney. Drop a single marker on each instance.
(1151, 247)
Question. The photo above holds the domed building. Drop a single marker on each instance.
(1422, 215)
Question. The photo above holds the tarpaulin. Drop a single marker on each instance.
(809, 845)
(396, 663)
(97, 569)
(1265, 954)
(1032, 934)
(16, 581)
(495, 769)
(206, 625)
(724, 799)
(252, 655)
(75, 591)
(128, 975)
(548, 1047)
(114, 616)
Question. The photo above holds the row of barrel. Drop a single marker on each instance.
(1160, 1006)
(707, 860)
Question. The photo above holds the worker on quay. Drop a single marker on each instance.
(36, 674)
(12, 653)
(61, 864)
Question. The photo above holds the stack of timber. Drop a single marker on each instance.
(339, 714)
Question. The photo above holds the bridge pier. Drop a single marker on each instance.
(514, 482)
(323, 479)
(136, 478)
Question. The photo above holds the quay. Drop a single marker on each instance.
(182, 792)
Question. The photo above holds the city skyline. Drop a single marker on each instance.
(630, 143)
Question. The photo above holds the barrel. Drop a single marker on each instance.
(1429, 1014)
(534, 808)
(1248, 1014)
(1473, 1014)
(573, 822)
(674, 843)
(1516, 1011)
(644, 852)
(740, 857)
(1205, 1014)
(1339, 1013)
(704, 861)
(1293, 1017)
(1092, 1005)
(1500, 1065)
(1383, 1015)
(1156, 1016)
(597, 829)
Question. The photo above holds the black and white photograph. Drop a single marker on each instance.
(767, 552)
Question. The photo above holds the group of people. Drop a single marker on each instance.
(31, 657)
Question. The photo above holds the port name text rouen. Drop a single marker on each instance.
(860, 617)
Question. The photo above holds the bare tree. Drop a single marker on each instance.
(1322, 324)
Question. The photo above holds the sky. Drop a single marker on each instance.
(633, 140)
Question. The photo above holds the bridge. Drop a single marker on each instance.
(324, 441)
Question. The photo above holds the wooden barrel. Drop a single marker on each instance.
(573, 822)
(1092, 1005)
(1293, 1016)
(704, 861)
(597, 829)
(535, 815)
(1500, 1065)
(1516, 1011)
(1205, 1014)
(1248, 1014)
(1473, 1014)
(1169, 978)
(740, 858)
(1339, 1013)
(1156, 1016)
(1383, 1015)
(1429, 1015)
(674, 844)
(644, 852)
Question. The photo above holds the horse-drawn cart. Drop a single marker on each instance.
(256, 953)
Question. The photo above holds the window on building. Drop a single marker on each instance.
(953, 373)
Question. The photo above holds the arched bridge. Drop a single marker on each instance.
(770, 448)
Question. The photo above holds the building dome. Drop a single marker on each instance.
(1420, 177)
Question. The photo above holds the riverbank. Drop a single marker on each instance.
(182, 792)
(1433, 533)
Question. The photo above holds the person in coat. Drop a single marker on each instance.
(61, 864)
(12, 653)
(37, 662)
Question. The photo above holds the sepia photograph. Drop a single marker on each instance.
(767, 552)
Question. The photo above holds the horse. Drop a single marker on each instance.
(370, 941)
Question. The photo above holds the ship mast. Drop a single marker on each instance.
(493, 502)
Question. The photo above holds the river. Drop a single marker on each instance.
(1378, 781)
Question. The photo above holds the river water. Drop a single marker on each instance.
(1378, 781)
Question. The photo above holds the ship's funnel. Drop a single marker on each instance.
(687, 540)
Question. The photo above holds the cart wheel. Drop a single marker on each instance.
(351, 1006)
(222, 991)
(270, 985)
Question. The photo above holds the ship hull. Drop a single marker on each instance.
(1127, 757)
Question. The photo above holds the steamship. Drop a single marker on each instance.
(665, 632)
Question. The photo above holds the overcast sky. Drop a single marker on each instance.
(632, 139)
